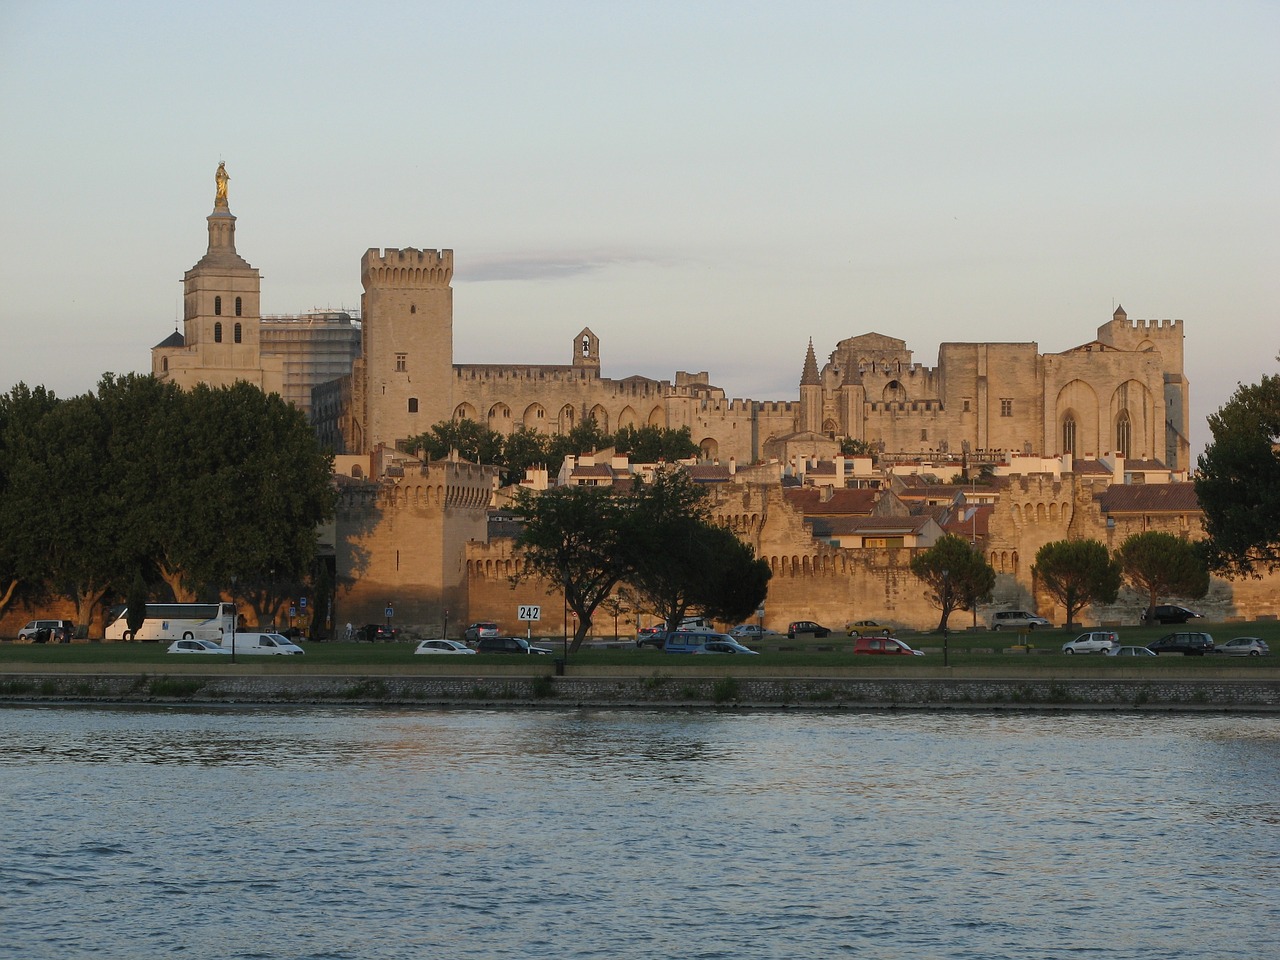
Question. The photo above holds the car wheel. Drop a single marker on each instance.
(1030, 627)
(1068, 651)
(188, 635)
(1255, 653)
(127, 635)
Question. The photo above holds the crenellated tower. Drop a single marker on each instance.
(407, 358)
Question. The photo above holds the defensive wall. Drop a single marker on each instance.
(713, 686)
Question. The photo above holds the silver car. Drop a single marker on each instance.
(1129, 652)
(1099, 641)
(1244, 647)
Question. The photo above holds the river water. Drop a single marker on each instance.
(347, 832)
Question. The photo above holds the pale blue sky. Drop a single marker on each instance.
(706, 185)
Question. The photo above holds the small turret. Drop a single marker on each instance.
(809, 377)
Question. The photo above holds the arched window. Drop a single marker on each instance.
(1124, 434)
(237, 332)
(217, 332)
(164, 364)
(237, 310)
(217, 306)
(1069, 435)
(413, 404)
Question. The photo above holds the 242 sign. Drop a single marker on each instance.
(530, 612)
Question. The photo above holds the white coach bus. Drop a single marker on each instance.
(174, 621)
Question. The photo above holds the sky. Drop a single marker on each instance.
(706, 185)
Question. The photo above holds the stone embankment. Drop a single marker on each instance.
(654, 690)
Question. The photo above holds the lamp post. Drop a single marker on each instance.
(235, 616)
(946, 601)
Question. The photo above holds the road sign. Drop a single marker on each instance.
(302, 603)
(529, 612)
(389, 612)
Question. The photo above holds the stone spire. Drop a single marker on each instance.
(222, 229)
(810, 375)
(1120, 314)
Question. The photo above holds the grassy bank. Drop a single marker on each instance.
(966, 652)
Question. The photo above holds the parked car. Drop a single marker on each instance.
(485, 628)
(1129, 652)
(47, 631)
(651, 637)
(1167, 613)
(1244, 647)
(692, 641)
(884, 645)
(1187, 644)
(1099, 641)
(748, 631)
(444, 646)
(509, 645)
(868, 628)
(373, 632)
(721, 643)
(197, 646)
(266, 643)
(798, 627)
(1017, 620)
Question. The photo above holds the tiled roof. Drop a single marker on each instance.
(845, 501)
(602, 470)
(707, 472)
(1149, 498)
(1090, 467)
(835, 526)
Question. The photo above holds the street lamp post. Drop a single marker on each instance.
(235, 616)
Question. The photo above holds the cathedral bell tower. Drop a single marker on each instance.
(221, 319)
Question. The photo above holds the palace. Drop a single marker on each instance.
(404, 527)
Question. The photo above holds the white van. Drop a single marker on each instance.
(252, 642)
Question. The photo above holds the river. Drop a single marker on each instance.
(345, 832)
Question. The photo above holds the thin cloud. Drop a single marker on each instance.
(541, 267)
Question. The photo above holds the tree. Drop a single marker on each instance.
(136, 601)
(958, 577)
(850, 447)
(577, 538)
(684, 561)
(472, 440)
(1077, 573)
(1159, 564)
(651, 444)
(1238, 484)
(22, 556)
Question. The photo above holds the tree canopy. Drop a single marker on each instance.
(1157, 565)
(958, 577)
(143, 478)
(1077, 573)
(525, 448)
(657, 539)
(1238, 484)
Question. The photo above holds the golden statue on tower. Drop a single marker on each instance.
(220, 198)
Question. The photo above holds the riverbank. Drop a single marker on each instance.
(705, 688)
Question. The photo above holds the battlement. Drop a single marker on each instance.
(1169, 326)
(906, 407)
(406, 268)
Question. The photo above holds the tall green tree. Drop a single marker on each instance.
(1238, 483)
(1077, 573)
(472, 440)
(651, 444)
(957, 576)
(1157, 565)
(259, 487)
(683, 561)
(23, 569)
(577, 538)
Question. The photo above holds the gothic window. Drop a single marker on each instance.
(413, 308)
(217, 332)
(237, 310)
(894, 391)
(1124, 434)
(217, 306)
(924, 434)
(402, 362)
(237, 332)
(413, 404)
(1006, 407)
(1069, 435)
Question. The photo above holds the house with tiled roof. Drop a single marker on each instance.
(869, 532)
(1129, 508)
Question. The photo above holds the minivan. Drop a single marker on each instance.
(509, 645)
(692, 641)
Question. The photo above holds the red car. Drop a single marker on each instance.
(884, 645)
